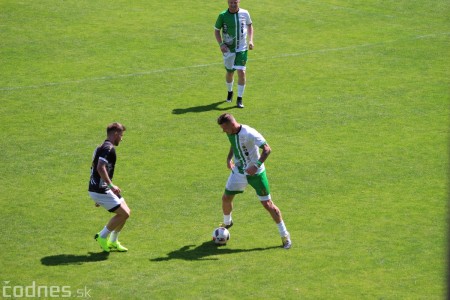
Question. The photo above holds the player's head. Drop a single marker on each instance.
(114, 131)
(228, 123)
(233, 5)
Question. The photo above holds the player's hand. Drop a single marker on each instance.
(224, 48)
(230, 164)
(251, 170)
(250, 45)
(116, 190)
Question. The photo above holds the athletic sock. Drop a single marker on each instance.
(282, 229)
(104, 233)
(230, 86)
(227, 219)
(241, 89)
(114, 236)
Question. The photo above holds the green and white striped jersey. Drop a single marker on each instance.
(246, 144)
(234, 29)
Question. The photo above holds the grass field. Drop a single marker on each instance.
(352, 96)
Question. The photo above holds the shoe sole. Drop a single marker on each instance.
(226, 226)
(118, 250)
(115, 249)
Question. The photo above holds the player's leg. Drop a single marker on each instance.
(112, 203)
(273, 210)
(227, 209)
(122, 213)
(241, 88)
(275, 213)
(119, 220)
(227, 204)
(236, 184)
(229, 79)
(261, 185)
(228, 59)
(239, 65)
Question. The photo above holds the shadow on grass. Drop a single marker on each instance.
(203, 251)
(201, 108)
(70, 259)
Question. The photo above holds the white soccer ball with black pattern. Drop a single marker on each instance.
(221, 236)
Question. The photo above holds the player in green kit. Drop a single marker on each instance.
(231, 30)
(247, 167)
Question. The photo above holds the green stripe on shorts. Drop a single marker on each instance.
(227, 192)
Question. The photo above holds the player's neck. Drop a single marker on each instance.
(112, 140)
(237, 129)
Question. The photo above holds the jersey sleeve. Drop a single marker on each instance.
(248, 20)
(219, 22)
(106, 154)
(257, 137)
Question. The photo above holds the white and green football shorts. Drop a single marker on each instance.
(235, 61)
(237, 183)
(110, 201)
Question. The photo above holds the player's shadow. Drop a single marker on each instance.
(201, 108)
(71, 259)
(204, 250)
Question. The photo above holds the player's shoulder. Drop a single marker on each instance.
(107, 145)
(246, 129)
(224, 12)
(244, 12)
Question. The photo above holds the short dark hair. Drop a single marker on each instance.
(225, 118)
(113, 127)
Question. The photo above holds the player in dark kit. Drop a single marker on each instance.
(105, 193)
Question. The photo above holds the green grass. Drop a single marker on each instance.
(352, 96)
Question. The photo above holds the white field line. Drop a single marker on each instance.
(166, 70)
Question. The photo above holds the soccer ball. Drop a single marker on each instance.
(221, 236)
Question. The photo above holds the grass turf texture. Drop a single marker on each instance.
(352, 96)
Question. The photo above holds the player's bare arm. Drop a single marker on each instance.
(251, 170)
(222, 45)
(230, 163)
(265, 152)
(103, 172)
(250, 36)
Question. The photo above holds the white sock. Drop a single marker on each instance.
(282, 229)
(227, 219)
(241, 89)
(104, 233)
(114, 236)
(230, 86)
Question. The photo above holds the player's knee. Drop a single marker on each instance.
(227, 198)
(125, 213)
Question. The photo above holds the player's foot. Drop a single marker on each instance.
(226, 226)
(230, 96)
(239, 102)
(103, 242)
(117, 246)
(286, 241)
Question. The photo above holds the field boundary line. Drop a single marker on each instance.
(139, 74)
